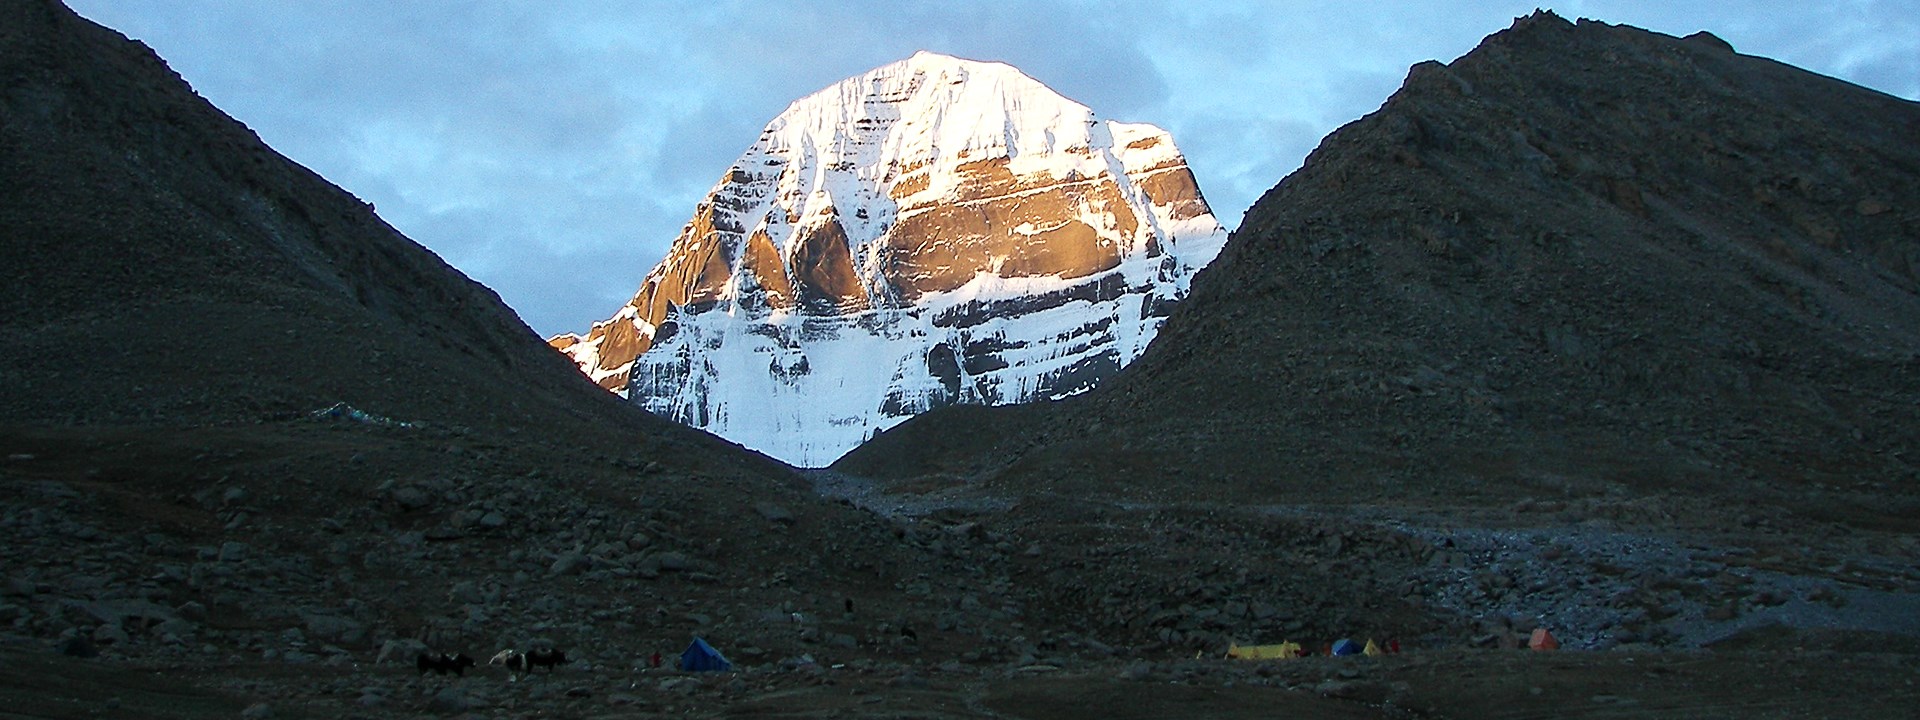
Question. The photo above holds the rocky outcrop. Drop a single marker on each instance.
(935, 231)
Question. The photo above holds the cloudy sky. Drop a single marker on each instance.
(553, 149)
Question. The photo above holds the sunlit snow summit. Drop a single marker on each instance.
(934, 231)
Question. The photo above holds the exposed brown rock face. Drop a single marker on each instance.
(1174, 187)
(910, 185)
(1008, 226)
(769, 273)
(828, 284)
(618, 340)
(925, 177)
(1588, 256)
(695, 272)
(700, 266)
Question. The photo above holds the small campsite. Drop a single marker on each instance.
(1758, 683)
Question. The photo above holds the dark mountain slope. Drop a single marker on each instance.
(164, 265)
(1581, 260)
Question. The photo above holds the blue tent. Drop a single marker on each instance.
(1346, 647)
(701, 657)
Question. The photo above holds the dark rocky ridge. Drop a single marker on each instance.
(165, 264)
(1582, 260)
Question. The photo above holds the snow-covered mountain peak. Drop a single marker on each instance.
(935, 230)
(931, 108)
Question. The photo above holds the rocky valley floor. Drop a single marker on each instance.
(164, 572)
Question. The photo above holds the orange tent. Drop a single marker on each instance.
(1543, 640)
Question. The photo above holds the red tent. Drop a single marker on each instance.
(1543, 640)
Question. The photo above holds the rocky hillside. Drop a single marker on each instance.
(1581, 261)
(934, 231)
(165, 266)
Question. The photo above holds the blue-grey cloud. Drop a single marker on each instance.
(552, 150)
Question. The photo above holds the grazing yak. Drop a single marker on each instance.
(442, 663)
(517, 662)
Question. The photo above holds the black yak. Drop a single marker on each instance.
(547, 658)
(442, 663)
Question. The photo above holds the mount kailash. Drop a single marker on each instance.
(932, 232)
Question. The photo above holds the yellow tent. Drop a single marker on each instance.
(1372, 650)
(1282, 651)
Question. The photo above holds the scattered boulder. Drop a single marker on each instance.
(411, 497)
(466, 592)
(672, 561)
(1367, 691)
(111, 635)
(118, 612)
(76, 646)
(570, 563)
(774, 513)
(192, 610)
(333, 628)
(177, 629)
(682, 685)
(399, 648)
(232, 552)
(448, 701)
